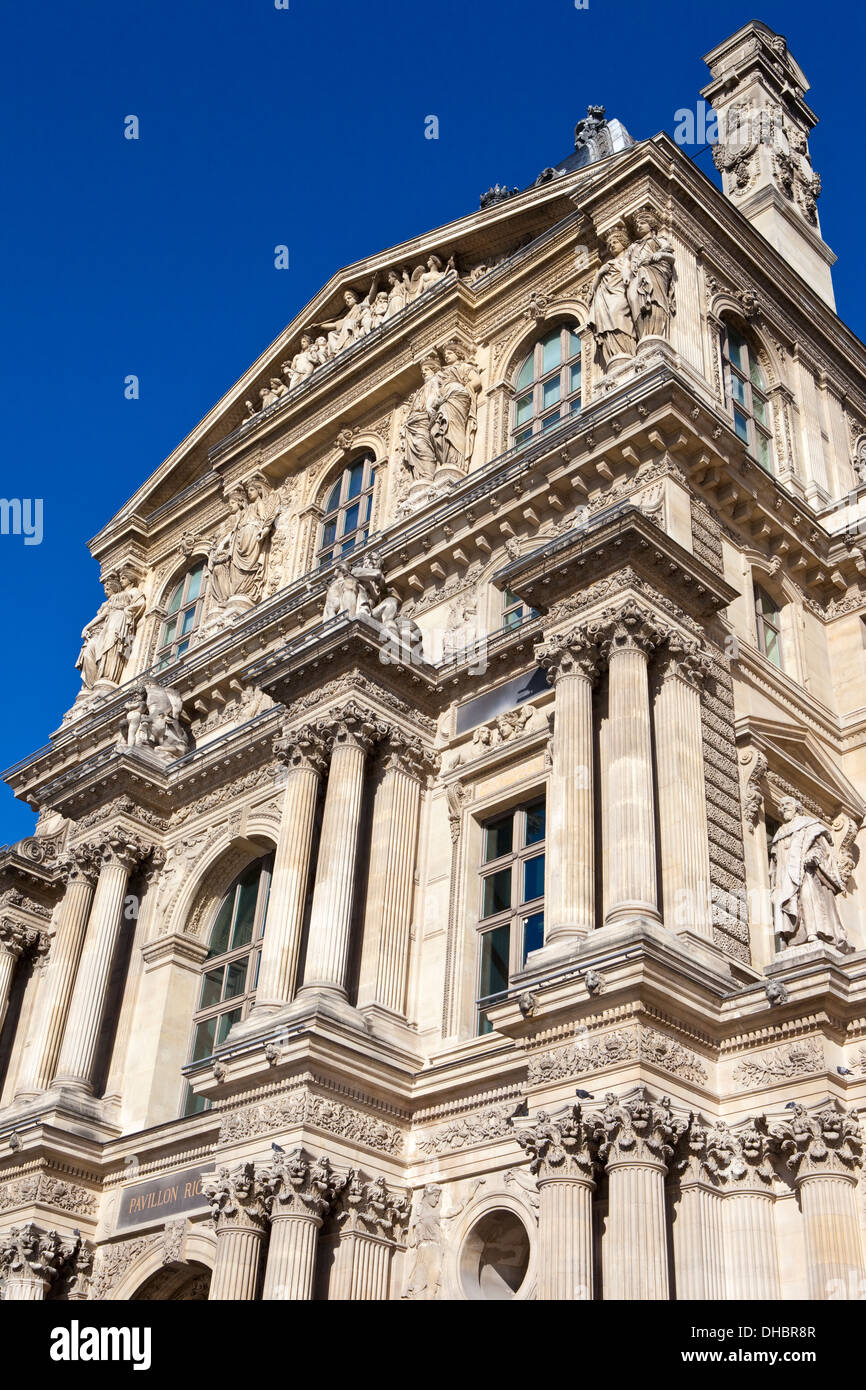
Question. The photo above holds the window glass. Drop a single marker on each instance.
(498, 838)
(211, 988)
(550, 392)
(533, 934)
(182, 615)
(535, 822)
(551, 352)
(346, 514)
(533, 878)
(550, 374)
(497, 893)
(517, 838)
(494, 961)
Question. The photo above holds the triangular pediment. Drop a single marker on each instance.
(797, 757)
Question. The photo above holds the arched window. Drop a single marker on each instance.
(345, 524)
(746, 388)
(547, 388)
(183, 614)
(768, 623)
(231, 968)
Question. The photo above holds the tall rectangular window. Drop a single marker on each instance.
(511, 892)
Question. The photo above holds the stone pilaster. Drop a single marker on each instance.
(699, 1261)
(354, 732)
(32, 1259)
(299, 1192)
(824, 1151)
(741, 1158)
(635, 1139)
(571, 662)
(628, 635)
(238, 1204)
(372, 1219)
(561, 1157)
(684, 841)
(45, 1033)
(388, 914)
(304, 753)
(119, 853)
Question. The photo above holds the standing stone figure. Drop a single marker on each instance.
(610, 315)
(237, 561)
(425, 1277)
(416, 432)
(650, 291)
(456, 421)
(107, 639)
(804, 880)
(154, 721)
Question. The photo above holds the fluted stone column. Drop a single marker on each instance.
(15, 939)
(684, 841)
(391, 880)
(635, 1138)
(371, 1219)
(628, 635)
(32, 1259)
(45, 1033)
(741, 1158)
(303, 751)
(299, 1193)
(561, 1158)
(120, 852)
(239, 1211)
(824, 1149)
(571, 661)
(331, 915)
(699, 1262)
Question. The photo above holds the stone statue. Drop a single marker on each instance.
(303, 364)
(610, 315)
(107, 638)
(425, 277)
(416, 432)
(456, 420)
(236, 563)
(349, 327)
(426, 1240)
(154, 721)
(342, 595)
(804, 880)
(399, 290)
(652, 273)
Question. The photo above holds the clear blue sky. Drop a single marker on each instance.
(259, 127)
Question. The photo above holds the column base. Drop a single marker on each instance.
(391, 1027)
(561, 949)
(632, 912)
(314, 1002)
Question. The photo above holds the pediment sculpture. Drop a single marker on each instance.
(361, 315)
(107, 638)
(805, 881)
(632, 296)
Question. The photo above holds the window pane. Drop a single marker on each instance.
(494, 962)
(736, 349)
(203, 1044)
(174, 605)
(356, 479)
(347, 545)
(194, 586)
(551, 420)
(211, 989)
(243, 932)
(182, 648)
(738, 389)
(498, 838)
(533, 933)
(168, 632)
(535, 818)
(333, 497)
(756, 374)
(514, 617)
(187, 621)
(523, 436)
(762, 450)
(219, 937)
(574, 381)
(523, 409)
(328, 533)
(497, 893)
(550, 392)
(351, 519)
(194, 1104)
(533, 878)
(772, 649)
(525, 376)
(575, 404)
(741, 425)
(236, 979)
(551, 352)
(759, 408)
(226, 1022)
(573, 344)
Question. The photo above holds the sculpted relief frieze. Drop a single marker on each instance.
(301, 1107)
(52, 1192)
(622, 1045)
(795, 1059)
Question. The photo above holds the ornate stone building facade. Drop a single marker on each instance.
(447, 883)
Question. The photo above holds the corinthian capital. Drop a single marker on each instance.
(402, 753)
(572, 653)
(630, 626)
(236, 1197)
(354, 724)
(120, 847)
(80, 864)
(15, 938)
(371, 1208)
(825, 1141)
(740, 1158)
(637, 1130)
(304, 747)
(295, 1184)
(685, 659)
(28, 1252)
(558, 1146)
